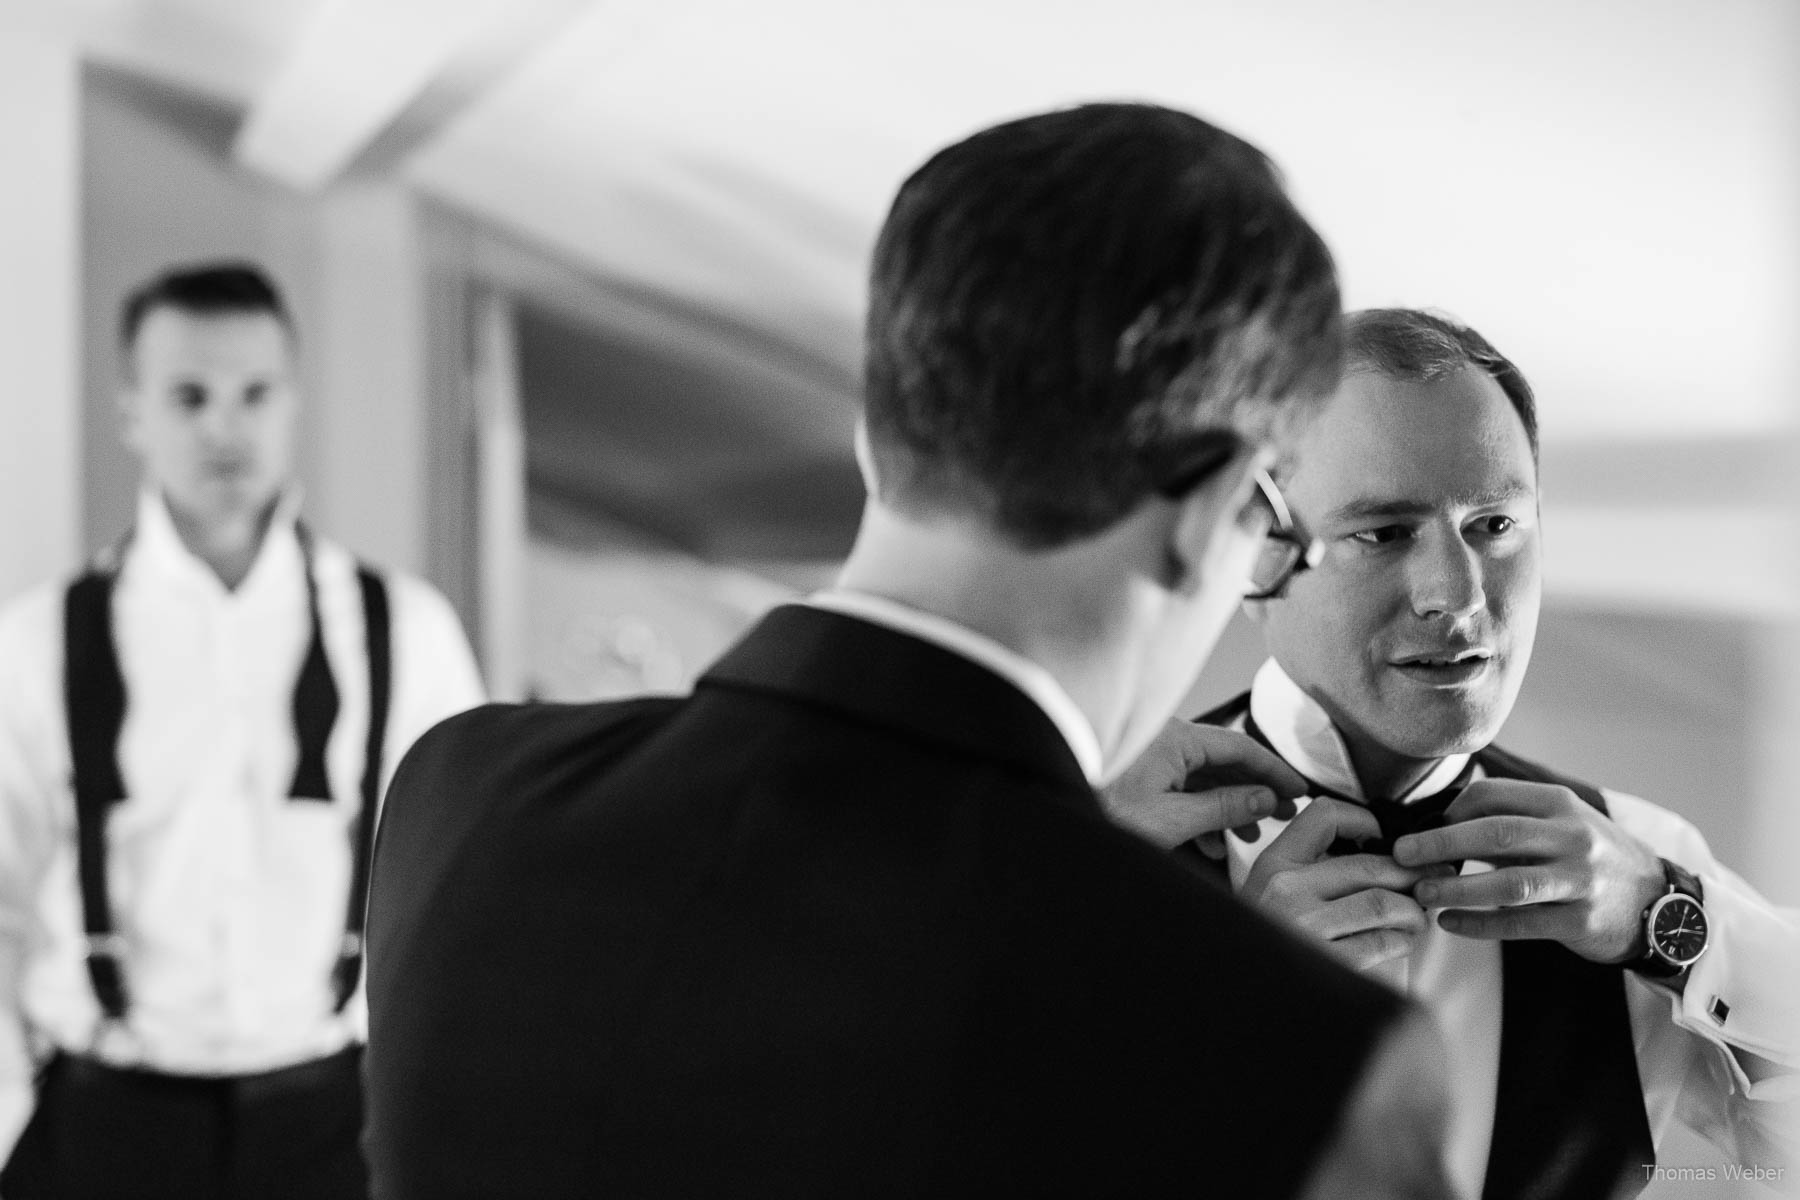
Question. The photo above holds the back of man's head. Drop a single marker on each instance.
(1416, 346)
(203, 290)
(1063, 307)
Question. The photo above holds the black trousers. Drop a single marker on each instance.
(98, 1131)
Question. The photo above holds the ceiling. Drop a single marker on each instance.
(1606, 188)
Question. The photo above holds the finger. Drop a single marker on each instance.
(1297, 890)
(1310, 834)
(1333, 878)
(1375, 908)
(1505, 888)
(1371, 949)
(1258, 804)
(1491, 839)
(1236, 807)
(1252, 833)
(1553, 922)
(1170, 818)
(1230, 755)
(1176, 817)
(1494, 797)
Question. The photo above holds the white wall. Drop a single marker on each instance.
(370, 405)
(40, 480)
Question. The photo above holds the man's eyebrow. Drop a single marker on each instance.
(1370, 507)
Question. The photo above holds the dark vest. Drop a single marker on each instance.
(95, 697)
(1569, 1120)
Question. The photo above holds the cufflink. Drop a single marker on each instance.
(1719, 1009)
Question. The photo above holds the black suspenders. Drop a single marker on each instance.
(375, 620)
(94, 699)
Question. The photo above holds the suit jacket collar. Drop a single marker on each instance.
(1028, 676)
(893, 679)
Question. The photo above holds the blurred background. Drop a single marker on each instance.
(580, 283)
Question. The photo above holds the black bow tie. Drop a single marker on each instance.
(1396, 819)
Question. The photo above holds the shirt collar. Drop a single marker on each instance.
(1302, 734)
(1036, 682)
(156, 545)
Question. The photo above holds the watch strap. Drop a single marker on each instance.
(1682, 880)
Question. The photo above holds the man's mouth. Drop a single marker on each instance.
(1446, 667)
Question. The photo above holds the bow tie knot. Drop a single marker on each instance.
(1396, 819)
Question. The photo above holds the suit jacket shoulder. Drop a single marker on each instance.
(463, 769)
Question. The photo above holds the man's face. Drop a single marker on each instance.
(210, 410)
(1414, 630)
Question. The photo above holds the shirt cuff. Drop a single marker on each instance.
(1743, 994)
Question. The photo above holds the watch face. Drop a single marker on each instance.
(1678, 929)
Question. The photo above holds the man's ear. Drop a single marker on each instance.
(1206, 516)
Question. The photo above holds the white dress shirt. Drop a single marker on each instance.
(1036, 682)
(230, 896)
(1688, 1060)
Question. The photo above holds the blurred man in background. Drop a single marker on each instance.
(1600, 973)
(192, 740)
(848, 920)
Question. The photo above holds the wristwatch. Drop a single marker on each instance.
(1675, 926)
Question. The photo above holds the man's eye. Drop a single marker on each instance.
(1381, 536)
(1497, 526)
(190, 396)
(256, 393)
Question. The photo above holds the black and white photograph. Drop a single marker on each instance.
(821, 599)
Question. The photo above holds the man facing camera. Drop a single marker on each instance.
(1599, 973)
(849, 920)
(194, 734)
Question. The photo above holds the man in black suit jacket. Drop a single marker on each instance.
(849, 920)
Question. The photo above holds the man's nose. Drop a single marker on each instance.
(222, 420)
(1446, 578)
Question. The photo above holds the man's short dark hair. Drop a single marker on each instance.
(1061, 303)
(1417, 347)
(203, 289)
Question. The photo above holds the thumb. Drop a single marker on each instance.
(1219, 809)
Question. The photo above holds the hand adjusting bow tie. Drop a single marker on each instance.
(1396, 819)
